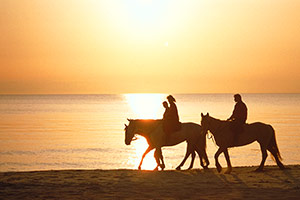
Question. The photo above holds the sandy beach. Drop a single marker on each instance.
(242, 183)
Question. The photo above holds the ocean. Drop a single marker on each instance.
(50, 132)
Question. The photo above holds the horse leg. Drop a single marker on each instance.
(161, 158)
(188, 152)
(229, 167)
(219, 167)
(273, 148)
(203, 157)
(206, 159)
(264, 157)
(274, 153)
(145, 153)
(193, 159)
(156, 156)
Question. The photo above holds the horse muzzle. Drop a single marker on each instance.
(127, 142)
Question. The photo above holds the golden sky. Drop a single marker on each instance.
(161, 46)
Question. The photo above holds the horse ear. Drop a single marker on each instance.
(125, 125)
(207, 114)
(128, 119)
(202, 115)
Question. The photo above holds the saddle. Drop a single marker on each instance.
(170, 128)
(236, 127)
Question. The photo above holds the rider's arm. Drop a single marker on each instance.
(233, 113)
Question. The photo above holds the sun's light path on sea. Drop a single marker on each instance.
(145, 106)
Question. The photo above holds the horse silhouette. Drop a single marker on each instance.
(264, 134)
(152, 130)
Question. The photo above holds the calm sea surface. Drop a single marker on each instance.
(43, 132)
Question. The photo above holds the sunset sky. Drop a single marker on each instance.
(160, 46)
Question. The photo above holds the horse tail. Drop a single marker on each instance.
(273, 145)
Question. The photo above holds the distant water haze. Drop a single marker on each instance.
(43, 132)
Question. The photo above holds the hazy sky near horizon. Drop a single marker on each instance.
(160, 46)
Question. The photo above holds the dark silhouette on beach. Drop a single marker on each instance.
(168, 132)
(238, 117)
(171, 119)
(264, 134)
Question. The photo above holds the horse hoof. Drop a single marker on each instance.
(139, 168)
(259, 170)
(282, 167)
(285, 168)
(178, 168)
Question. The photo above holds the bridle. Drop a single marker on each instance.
(134, 137)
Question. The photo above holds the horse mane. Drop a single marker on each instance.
(147, 123)
(217, 119)
(147, 120)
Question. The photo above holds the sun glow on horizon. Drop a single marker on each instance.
(112, 47)
(146, 106)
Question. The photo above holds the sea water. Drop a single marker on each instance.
(46, 132)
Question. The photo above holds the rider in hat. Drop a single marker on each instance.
(171, 119)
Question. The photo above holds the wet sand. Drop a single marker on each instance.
(242, 183)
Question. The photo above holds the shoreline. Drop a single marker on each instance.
(242, 183)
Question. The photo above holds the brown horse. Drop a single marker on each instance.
(264, 134)
(153, 132)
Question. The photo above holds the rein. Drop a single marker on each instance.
(209, 137)
(217, 130)
(134, 138)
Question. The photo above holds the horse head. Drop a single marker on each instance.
(129, 131)
(205, 122)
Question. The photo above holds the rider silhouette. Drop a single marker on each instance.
(171, 119)
(239, 116)
(166, 106)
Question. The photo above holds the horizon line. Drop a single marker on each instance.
(7, 94)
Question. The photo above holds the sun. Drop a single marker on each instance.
(146, 106)
(145, 1)
(166, 44)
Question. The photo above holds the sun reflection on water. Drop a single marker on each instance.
(145, 106)
(140, 147)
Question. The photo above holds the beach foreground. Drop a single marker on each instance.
(242, 183)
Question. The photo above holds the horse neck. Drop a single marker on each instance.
(215, 125)
(145, 127)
